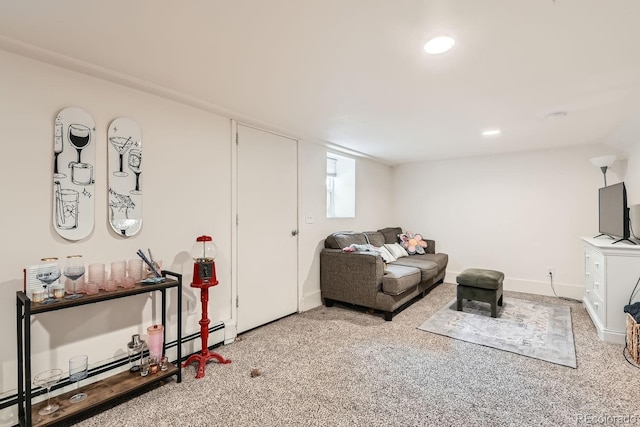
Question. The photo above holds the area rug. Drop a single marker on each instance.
(533, 329)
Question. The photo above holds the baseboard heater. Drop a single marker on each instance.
(11, 400)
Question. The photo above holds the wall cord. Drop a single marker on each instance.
(556, 295)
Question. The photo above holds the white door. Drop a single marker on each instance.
(267, 222)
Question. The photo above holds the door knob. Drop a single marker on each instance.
(294, 232)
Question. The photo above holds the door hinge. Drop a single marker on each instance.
(237, 138)
(237, 301)
(237, 220)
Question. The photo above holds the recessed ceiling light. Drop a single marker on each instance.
(491, 132)
(439, 45)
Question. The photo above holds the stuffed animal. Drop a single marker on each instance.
(413, 243)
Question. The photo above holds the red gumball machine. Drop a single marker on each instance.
(204, 252)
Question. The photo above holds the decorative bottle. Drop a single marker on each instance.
(155, 341)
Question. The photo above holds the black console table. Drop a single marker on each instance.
(105, 390)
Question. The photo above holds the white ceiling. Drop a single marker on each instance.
(353, 72)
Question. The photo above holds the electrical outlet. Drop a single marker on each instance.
(550, 271)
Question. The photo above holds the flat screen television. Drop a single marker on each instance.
(614, 212)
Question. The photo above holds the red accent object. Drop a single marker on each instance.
(199, 281)
(208, 268)
(205, 355)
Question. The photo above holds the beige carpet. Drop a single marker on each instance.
(342, 367)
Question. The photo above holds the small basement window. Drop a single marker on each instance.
(341, 186)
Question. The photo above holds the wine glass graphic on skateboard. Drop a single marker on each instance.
(125, 176)
(74, 156)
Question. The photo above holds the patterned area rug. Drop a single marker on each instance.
(533, 329)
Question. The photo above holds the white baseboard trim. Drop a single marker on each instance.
(536, 287)
(310, 301)
(230, 331)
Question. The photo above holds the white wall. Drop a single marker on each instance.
(517, 213)
(179, 144)
(373, 211)
(632, 184)
(187, 178)
(632, 177)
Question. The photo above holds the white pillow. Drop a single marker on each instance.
(387, 256)
(403, 250)
(396, 250)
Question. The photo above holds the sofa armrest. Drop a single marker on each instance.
(431, 246)
(351, 277)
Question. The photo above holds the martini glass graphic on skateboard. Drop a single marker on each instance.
(125, 176)
(121, 144)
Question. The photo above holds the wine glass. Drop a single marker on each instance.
(48, 272)
(74, 269)
(79, 137)
(78, 370)
(47, 379)
(121, 144)
(135, 163)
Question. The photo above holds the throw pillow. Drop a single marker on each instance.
(413, 243)
(396, 250)
(403, 250)
(386, 255)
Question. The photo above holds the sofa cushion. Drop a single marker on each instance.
(441, 259)
(344, 239)
(398, 279)
(375, 238)
(428, 269)
(391, 234)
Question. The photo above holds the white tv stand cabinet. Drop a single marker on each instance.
(610, 274)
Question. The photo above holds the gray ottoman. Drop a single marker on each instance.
(480, 285)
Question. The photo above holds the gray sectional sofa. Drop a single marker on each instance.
(364, 279)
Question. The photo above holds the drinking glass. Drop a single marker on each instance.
(74, 269)
(79, 137)
(78, 370)
(121, 144)
(48, 379)
(66, 209)
(135, 163)
(48, 272)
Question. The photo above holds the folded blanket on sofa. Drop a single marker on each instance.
(360, 248)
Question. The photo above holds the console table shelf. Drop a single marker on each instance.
(100, 392)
